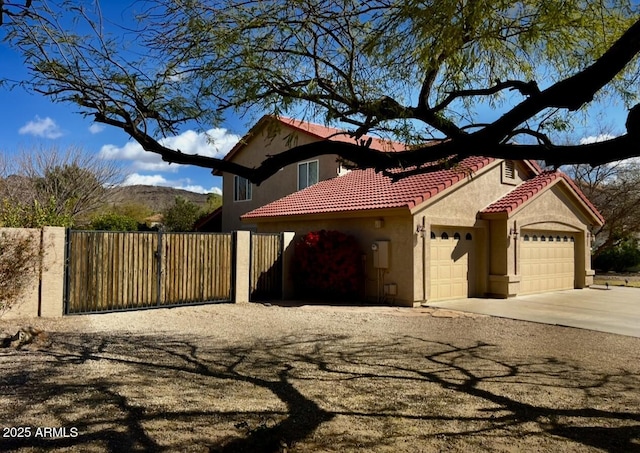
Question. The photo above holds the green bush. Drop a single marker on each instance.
(181, 216)
(618, 258)
(34, 215)
(112, 221)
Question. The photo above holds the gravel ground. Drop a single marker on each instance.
(304, 379)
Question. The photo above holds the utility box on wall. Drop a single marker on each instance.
(381, 254)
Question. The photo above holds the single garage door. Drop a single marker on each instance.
(547, 261)
(450, 250)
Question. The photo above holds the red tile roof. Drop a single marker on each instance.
(365, 190)
(316, 130)
(339, 135)
(528, 190)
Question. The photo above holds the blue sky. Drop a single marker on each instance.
(31, 121)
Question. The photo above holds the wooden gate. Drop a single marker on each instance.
(266, 266)
(110, 271)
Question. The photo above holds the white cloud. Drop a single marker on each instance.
(159, 180)
(96, 128)
(596, 138)
(145, 180)
(41, 127)
(214, 143)
(142, 160)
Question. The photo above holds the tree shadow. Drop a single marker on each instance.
(170, 393)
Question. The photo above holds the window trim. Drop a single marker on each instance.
(248, 189)
(307, 164)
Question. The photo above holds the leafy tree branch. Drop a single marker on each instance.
(414, 72)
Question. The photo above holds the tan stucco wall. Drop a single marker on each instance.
(279, 185)
(554, 210)
(557, 211)
(458, 207)
(43, 297)
(495, 269)
(396, 228)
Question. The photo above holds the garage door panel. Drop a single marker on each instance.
(546, 265)
(450, 263)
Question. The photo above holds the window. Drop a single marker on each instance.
(542, 238)
(444, 236)
(433, 235)
(241, 189)
(526, 238)
(307, 174)
(468, 237)
(456, 236)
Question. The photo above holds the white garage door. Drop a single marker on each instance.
(450, 250)
(547, 261)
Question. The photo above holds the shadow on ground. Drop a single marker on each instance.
(312, 393)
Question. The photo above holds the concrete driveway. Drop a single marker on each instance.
(614, 310)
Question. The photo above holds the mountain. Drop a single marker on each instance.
(157, 198)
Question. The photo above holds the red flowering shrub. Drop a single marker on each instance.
(328, 264)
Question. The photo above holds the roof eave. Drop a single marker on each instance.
(560, 180)
(363, 213)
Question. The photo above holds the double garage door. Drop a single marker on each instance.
(547, 261)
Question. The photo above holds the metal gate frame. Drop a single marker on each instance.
(160, 258)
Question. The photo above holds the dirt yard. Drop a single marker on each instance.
(229, 378)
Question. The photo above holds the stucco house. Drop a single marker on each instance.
(272, 135)
(486, 228)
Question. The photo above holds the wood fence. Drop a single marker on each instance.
(266, 266)
(109, 271)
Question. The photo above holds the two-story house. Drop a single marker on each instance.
(271, 136)
(488, 227)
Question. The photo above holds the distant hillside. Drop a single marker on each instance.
(155, 197)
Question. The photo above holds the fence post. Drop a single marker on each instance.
(242, 272)
(287, 256)
(159, 259)
(51, 297)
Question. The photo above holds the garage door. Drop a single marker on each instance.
(450, 250)
(547, 261)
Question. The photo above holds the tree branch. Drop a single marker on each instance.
(572, 92)
(525, 88)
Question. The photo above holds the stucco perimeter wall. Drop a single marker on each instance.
(44, 293)
(395, 228)
(279, 185)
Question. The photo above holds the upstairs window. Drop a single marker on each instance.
(241, 189)
(307, 174)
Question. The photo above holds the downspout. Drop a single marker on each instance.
(424, 260)
(515, 248)
(41, 252)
